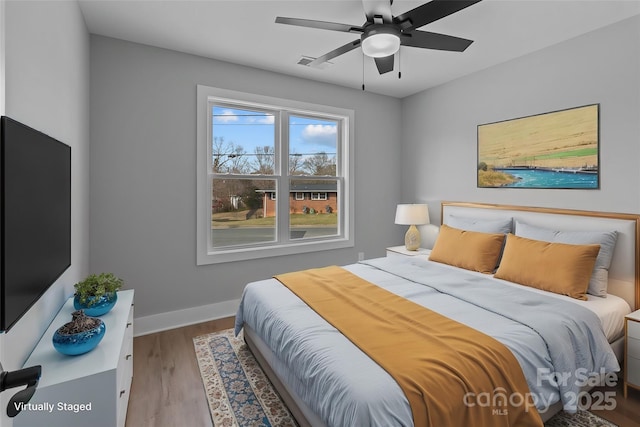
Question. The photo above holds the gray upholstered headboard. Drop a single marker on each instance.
(624, 273)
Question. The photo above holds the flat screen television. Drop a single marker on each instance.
(35, 217)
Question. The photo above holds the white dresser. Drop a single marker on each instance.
(632, 351)
(91, 389)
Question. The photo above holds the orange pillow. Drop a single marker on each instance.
(556, 267)
(470, 250)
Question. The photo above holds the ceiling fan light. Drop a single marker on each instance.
(380, 41)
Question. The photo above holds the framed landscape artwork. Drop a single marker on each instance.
(551, 150)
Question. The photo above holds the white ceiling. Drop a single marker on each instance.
(244, 32)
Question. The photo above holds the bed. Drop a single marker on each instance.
(327, 381)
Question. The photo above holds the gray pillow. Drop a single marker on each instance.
(606, 240)
(479, 224)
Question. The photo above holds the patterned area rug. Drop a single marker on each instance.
(238, 391)
(240, 395)
(581, 419)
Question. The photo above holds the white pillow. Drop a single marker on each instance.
(493, 226)
(606, 240)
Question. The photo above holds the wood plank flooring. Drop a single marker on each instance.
(627, 411)
(167, 388)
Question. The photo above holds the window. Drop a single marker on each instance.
(253, 153)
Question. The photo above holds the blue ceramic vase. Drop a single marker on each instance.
(102, 306)
(73, 344)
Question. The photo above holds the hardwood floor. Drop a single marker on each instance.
(627, 411)
(167, 388)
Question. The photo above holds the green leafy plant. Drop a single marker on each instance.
(95, 286)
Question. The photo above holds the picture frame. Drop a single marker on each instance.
(554, 150)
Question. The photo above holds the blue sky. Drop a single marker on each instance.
(251, 129)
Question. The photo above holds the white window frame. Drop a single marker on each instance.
(206, 253)
(299, 195)
(318, 196)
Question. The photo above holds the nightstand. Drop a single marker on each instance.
(402, 251)
(632, 351)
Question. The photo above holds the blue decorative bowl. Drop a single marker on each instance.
(104, 304)
(80, 343)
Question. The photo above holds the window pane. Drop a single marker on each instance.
(315, 216)
(313, 146)
(242, 141)
(242, 212)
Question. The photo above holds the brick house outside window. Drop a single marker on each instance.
(321, 198)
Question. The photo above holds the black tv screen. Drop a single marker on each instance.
(35, 216)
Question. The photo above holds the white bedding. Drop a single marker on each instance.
(304, 342)
(610, 309)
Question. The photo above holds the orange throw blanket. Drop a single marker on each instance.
(451, 374)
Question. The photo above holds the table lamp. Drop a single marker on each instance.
(412, 215)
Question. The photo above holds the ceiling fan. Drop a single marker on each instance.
(382, 34)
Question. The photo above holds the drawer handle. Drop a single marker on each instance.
(129, 324)
(122, 392)
(127, 357)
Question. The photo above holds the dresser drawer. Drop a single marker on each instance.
(125, 364)
(633, 371)
(633, 329)
(125, 361)
(125, 372)
(633, 347)
(122, 406)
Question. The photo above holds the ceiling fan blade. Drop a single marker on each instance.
(428, 40)
(382, 8)
(334, 53)
(322, 25)
(430, 12)
(384, 64)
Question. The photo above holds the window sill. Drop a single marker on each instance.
(244, 254)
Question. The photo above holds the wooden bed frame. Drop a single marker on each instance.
(624, 274)
(295, 409)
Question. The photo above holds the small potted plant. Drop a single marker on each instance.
(80, 335)
(97, 294)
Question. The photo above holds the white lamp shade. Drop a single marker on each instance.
(412, 214)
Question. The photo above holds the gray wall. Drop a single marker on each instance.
(439, 125)
(47, 88)
(143, 179)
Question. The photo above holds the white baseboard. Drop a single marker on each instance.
(189, 316)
